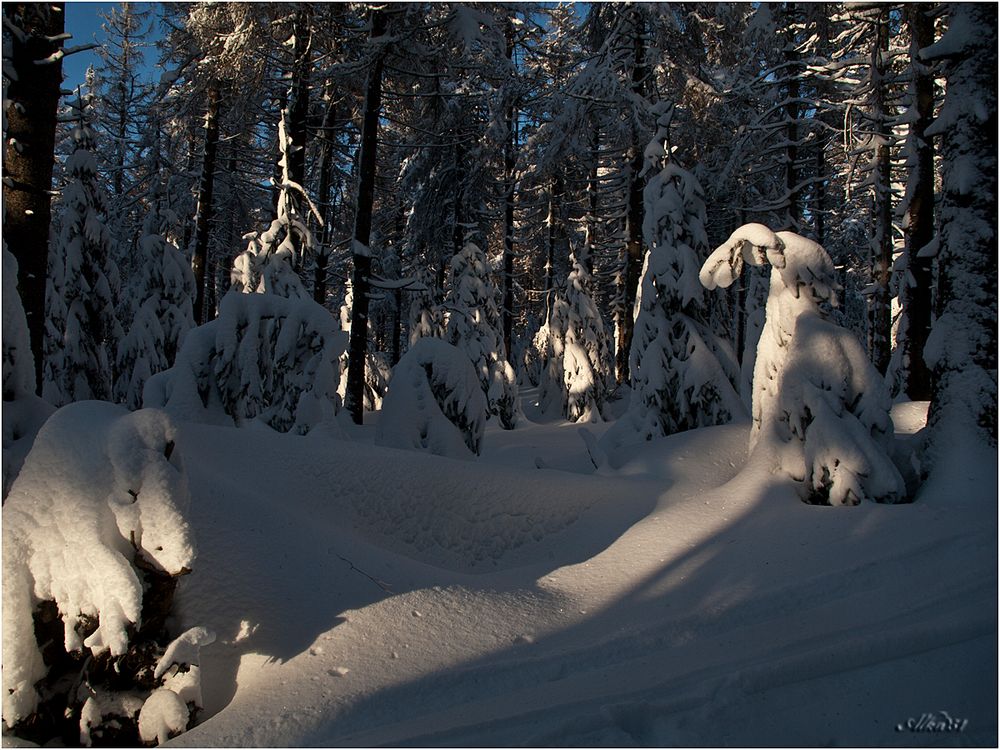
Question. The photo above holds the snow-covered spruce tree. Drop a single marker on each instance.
(434, 404)
(576, 371)
(84, 645)
(426, 316)
(265, 358)
(164, 293)
(962, 348)
(83, 335)
(268, 265)
(820, 408)
(683, 375)
(473, 326)
(23, 411)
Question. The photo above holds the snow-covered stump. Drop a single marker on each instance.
(820, 409)
(94, 540)
(265, 358)
(434, 404)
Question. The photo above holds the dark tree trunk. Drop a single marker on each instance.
(358, 350)
(325, 169)
(632, 257)
(881, 308)
(298, 98)
(397, 325)
(632, 268)
(33, 99)
(552, 239)
(458, 228)
(593, 193)
(509, 155)
(820, 199)
(192, 162)
(917, 300)
(203, 217)
(793, 215)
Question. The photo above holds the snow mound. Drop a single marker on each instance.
(163, 715)
(462, 516)
(101, 493)
(265, 357)
(434, 403)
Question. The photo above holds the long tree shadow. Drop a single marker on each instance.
(776, 593)
(269, 507)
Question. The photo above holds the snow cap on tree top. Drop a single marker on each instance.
(799, 261)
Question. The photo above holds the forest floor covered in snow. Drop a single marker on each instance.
(369, 596)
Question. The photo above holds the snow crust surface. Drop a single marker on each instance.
(679, 596)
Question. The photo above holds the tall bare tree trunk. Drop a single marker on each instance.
(917, 299)
(361, 285)
(633, 251)
(203, 217)
(325, 168)
(880, 316)
(32, 101)
(509, 155)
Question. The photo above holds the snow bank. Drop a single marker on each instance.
(434, 403)
(101, 493)
(265, 357)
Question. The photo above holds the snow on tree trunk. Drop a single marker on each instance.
(23, 411)
(265, 357)
(473, 326)
(33, 33)
(820, 408)
(434, 404)
(918, 210)
(377, 370)
(360, 247)
(962, 348)
(84, 332)
(105, 488)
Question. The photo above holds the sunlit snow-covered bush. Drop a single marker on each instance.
(265, 357)
(575, 364)
(434, 403)
(820, 408)
(474, 327)
(94, 538)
